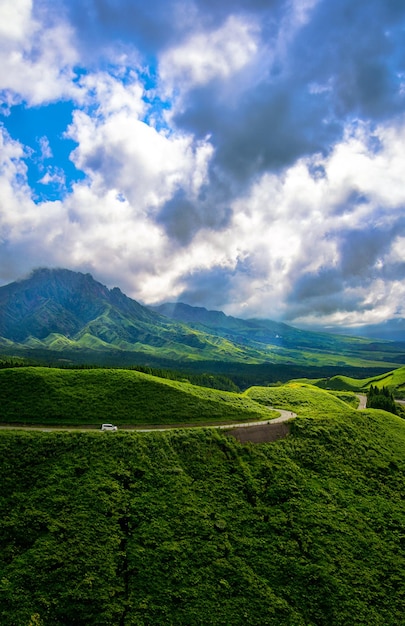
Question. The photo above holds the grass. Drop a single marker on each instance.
(394, 380)
(53, 396)
(191, 527)
(304, 399)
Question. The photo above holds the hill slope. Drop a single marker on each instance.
(393, 380)
(192, 527)
(52, 396)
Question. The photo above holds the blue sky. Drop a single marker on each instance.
(247, 156)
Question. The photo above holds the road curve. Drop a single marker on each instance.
(285, 416)
(362, 401)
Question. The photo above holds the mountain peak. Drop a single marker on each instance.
(54, 301)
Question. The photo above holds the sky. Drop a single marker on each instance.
(244, 156)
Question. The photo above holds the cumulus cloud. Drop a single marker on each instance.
(118, 150)
(36, 58)
(243, 155)
(208, 56)
(328, 242)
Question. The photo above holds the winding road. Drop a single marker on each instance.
(285, 416)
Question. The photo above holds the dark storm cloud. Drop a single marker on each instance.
(344, 63)
(209, 288)
(359, 48)
(104, 23)
(154, 25)
(361, 249)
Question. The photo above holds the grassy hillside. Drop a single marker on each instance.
(394, 380)
(190, 527)
(304, 399)
(51, 396)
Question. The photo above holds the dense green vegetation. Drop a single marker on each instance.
(394, 381)
(51, 396)
(381, 398)
(242, 375)
(191, 527)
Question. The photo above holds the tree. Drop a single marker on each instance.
(381, 399)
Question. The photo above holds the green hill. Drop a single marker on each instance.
(191, 527)
(394, 380)
(304, 399)
(52, 396)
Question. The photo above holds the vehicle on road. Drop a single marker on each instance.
(108, 427)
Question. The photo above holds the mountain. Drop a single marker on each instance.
(59, 301)
(251, 331)
(263, 332)
(59, 309)
(63, 311)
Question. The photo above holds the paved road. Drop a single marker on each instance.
(284, 417)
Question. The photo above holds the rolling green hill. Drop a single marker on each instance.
(394, 380)
(52, 396)
(304, 399)
(192, 527)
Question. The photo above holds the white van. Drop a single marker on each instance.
(108, 427)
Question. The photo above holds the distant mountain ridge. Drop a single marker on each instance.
(253, 330)
(59, 309)
(62, 310)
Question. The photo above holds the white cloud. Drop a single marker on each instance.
(36, 59)
(53, 176)
(15, 17)
(110, 95)
(287, 228)
(46, 151)
(206, 56)
(297, 225)
(117, 150)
